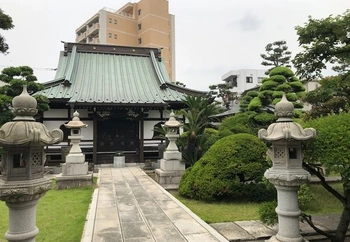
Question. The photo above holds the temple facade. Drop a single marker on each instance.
(120, 92)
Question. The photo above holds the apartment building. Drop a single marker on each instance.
(244, 79)
(146, 23)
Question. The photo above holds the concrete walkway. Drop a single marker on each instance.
(130, 206)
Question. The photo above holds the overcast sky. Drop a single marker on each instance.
(212, 37)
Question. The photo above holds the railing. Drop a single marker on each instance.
(80, 37)
(93, 28)
(128, 15)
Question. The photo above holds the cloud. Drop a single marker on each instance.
(249, 22)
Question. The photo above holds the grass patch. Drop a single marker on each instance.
(219, 212)
(60, 215)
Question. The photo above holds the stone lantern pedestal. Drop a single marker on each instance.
(23, 183)
(75, 170)
(286, 173)
(171, 166)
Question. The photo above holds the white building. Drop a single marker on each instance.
(244, 79)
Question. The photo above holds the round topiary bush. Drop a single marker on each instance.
(231, 169)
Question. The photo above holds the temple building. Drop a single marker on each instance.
(120, 92)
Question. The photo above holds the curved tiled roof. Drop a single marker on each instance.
(106, 74)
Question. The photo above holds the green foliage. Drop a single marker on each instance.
(282, 71)
(255, 104)
(277, 54)
(331, 146)
(16, 78)
(324, 41)
(210, 137)
(265, 119)
(240, 123)
(331, 97)
(268, 85)
(281, 80)
(5, 24)
(222, 90)
(231, 169)
(285, 87)
(267, 213)
(196, 113)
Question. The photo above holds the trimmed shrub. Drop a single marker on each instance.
(281, 70)
(231, 169)
(297, 86)
(277, 94)
(279, 79)
(255, 105)
(265, 118)
(268, 85)
(210, 137)
(284, 87)
(292, 97)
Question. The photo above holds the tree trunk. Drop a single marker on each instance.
(343, 225)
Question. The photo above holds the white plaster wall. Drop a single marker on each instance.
(153, 114)
(148, 129)
(50, 125)
(56, 113)
(242, 84)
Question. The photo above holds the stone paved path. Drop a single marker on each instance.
(130, 206)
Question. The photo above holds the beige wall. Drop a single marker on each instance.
(156, 28)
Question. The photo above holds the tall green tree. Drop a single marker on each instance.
(223, 91)
(324, 41)
(277, 54)
(331, 149)
(331, 97)
(281, 80)
(197, 111)
(16, 78)
(5, 24)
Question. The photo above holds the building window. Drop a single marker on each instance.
(110, 20)
(115, 21)
(249, 79)
(140, 41)
(260, 79)
(110, 35)
(139, 11)
(115, 36)
(139, 26)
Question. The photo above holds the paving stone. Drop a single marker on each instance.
(135, 230)
(256, 229)
(106, 204)
(140, 240)
(159, 220)
(232, 231)
(167, 204)
(107, 213)
(106, 237)
(166, 233)
(139, 192)
(189, 226)
(128, 216)
(106, 225)
(204, 237)
(151, 209)
(127, 206)
(177, 213)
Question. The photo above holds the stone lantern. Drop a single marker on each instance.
(23, 183)
(171, 166)
(286, 173)
(75, 170)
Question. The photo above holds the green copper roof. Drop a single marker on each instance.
(115, 75)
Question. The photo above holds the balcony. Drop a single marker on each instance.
(94, 41)
(81, 38)
(93, 29)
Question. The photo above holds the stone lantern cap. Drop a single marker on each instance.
(172, 122)
(285, 128)
(23, 130)
(75, 123)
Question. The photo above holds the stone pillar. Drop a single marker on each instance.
(286, 173)
(171, 166)
(23, 182)
(75, 170)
